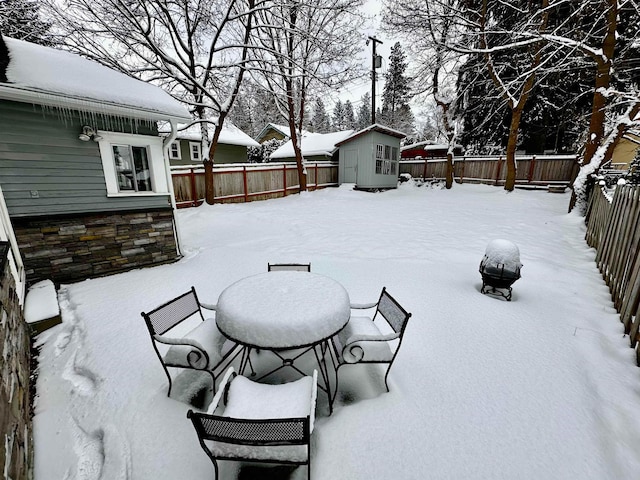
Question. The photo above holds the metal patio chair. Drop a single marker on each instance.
(255, 422)
(362, 341)
(297, 267)
(199, 349)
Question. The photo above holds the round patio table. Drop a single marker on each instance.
(284, 310)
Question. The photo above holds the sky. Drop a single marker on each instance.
(542, 387)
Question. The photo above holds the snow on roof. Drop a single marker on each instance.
(376, 127)
(47, 76)
(428, 145)
(284, 130)
(313, 144)
(230, 134)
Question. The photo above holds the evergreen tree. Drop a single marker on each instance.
(21, 19)
(396, 112)
(363, 117)
(349, 116)
(338, 116)
(320, 121)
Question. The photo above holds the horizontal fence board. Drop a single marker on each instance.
(247, 183)
(531, 169)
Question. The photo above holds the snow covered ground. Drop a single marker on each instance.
(543, 387)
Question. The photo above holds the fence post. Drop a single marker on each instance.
(316, 187)
(244, 181)
(192, 184)
(284, 178)
(462, 169)
(531, 167)
(498, 170)
(424, 170)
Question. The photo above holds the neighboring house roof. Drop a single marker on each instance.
(376, 127)
(313, 144)
(230, 134)
(47, 76)
(282, 129)
(428, 145)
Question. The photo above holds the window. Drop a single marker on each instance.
(195, 149)
(174, 151)
(386, 159)
(132, 168)
(133, 165)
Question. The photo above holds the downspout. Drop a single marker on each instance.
(167, 168)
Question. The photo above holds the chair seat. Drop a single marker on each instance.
(254, 401)
(359, 332)
(207, 335)
(248, 400)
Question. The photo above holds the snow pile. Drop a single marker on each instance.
(503, 252)
(41, 302)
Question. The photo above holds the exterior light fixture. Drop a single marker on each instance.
(88, 133)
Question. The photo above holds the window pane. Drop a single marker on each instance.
(387, 152)
(174, 151)
(124, 167)
(378, 166)
(143, 174)
(379, 151)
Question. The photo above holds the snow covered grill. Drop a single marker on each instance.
(500, 268)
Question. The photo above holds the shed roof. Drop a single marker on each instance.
(230, 134)
(313, 144)
(376, 127)
(47, 76)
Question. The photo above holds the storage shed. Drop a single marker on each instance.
(369, 158)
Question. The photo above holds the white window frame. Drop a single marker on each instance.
(177, 153)
(155, 156)
(198, 147)
(386, 159)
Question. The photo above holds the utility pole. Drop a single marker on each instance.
(376, 62)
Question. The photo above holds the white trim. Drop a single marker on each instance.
(156, 162)
(195, 144)
(14, 258)
(175, 143)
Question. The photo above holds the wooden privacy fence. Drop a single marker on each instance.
(613, 229)
(245, 183)
(531, 170)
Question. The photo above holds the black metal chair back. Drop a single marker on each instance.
(297, 267)
(168, 315)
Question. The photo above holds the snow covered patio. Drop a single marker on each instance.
(542, 387)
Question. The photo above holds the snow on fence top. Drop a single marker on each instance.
(48, 76)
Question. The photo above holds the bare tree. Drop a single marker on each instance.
(303, 48)
(429, 28)
(197, 50)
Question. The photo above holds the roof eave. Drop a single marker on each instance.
(24, 95)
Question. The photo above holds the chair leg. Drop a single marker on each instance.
(385, 378)
(169, 378)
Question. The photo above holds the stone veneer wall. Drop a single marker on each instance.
(16, 440)
(72, 248)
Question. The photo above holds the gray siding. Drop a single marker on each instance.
(46, 170)
(224, 154)
(365, 145)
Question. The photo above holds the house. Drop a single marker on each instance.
(272, 131)
(627, 149)
(315, 147)
(186, 149)
(429, 149)
(84, 173)
(369, 158)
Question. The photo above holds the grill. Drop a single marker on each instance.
(500, 268)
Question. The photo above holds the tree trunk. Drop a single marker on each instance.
(512, 144)
(603, 80)
(449, 178)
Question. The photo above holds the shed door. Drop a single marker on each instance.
(350, 165)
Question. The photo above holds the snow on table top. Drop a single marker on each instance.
(48, 70)
(282, 309)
